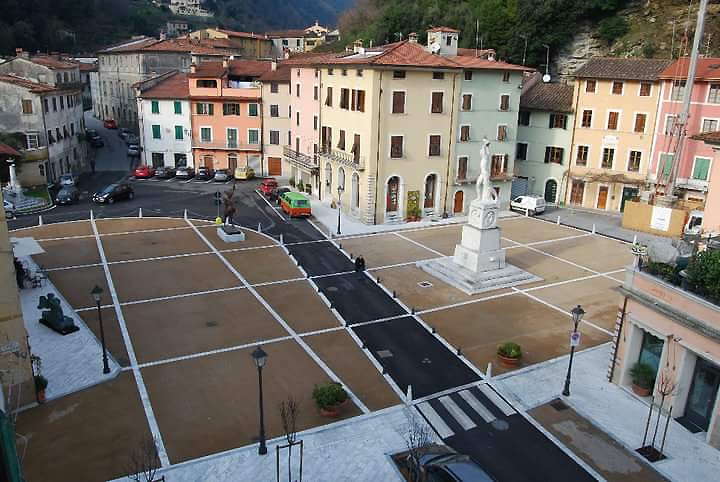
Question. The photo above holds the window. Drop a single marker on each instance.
(645, 89)
(553, 155)
(315, 122)
(640, 121)
(326, 138)
(72, 128)
(330, 71)
(341, 140)
(297, 90)
(398, 74)
(506, 76)
(177, 106)
(498, 164)
(274, 110)
(468, 75)
(205, 134)
(51, 139)
(714, 94)
(634, 159)
(58, 79)
(678, 90)
(587, 118)
(524, 118)
(253, 109)
(434, 146)
(344, 98)
(462, 167)
(47, 105)
(358, 100)
(155, 107)
(521, 151)
(231, 108)
(709, 125)
(297, 118)
(701, 169)
(316, 92)
(396, 147)
(32, 140)
(467, 102)
(275, 137)
(617, 87)
(505, 102)
(436, 104)
(607, 158)
(590, 86)
(253, 136)
(438, 75)
(156, 131)
(355, 150)
(289, 138)
(58, 136)
(502, 133)
(448, 41)
(343, 72)
(179, 133)
(670, 124)
(558, 121)
(27, 107)
(204, 108)
(613, 118)
(54, 104)
(273, 88)
(464, 133)
(206, 83)
(65, 132)
(329, 97)
(398, 102)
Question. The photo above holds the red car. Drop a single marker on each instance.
(268, 186)
(144, 172)
(109, 124)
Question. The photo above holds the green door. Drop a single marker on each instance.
(628, 193)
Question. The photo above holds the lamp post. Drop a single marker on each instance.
(97, 294)
(260, 357)
(340, 190)
(577, 315)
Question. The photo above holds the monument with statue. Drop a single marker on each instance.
(478, 264)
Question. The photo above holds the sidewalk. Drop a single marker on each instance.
(611, 408)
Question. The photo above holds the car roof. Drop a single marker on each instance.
(295, 196)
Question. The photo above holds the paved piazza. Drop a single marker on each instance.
(183, 311)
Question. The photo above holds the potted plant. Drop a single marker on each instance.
(300, 186)
(643, 379)
(292, 182)
(509, 354)
(414, 214)
(329, 397)
(41, 384)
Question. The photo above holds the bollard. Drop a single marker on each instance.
(433, 330)
(259, 228)
(40, 222)
(185, 214)
(281, 239)
(140, 212)
(351, 256)
(459, 351)
(558, 220)
(409, 394)
(394, 294)
(378, 280)
(488, 372)
(384, 372)
(593, 230)
(412, 310)
(635, 239)
(92, 216)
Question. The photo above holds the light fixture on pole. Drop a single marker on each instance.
(577, 315)
(340, 191)
(546, 77)
(260, 358)
(97, 296)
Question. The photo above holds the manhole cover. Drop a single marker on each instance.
(559, 405)
(384, 353)
(425, 284)
(211, 324)
(331, 288)
(500, 425)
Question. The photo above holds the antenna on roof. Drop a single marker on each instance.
(477, 36)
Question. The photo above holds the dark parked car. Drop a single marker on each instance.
(123, 132)
(133, 150)
(67, 195)
(96, 141)
(443, 464)
(132, 139)
(165, 172)
(185, 172)
(90, 133)
(277, 193)
(114, 192)
(204, 174)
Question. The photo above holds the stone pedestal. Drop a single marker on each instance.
(230, 234)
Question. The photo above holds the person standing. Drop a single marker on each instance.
(19, 273)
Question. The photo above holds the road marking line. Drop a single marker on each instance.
(455, 412)
(476, 405)
(189, 180)
(268, 203)
(435, 420)
(419, 244)
(499, 402)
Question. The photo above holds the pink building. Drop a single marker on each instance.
(696, 158)
(711, 217)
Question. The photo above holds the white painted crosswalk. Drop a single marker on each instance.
(486, 414)
(435, 420)
(464, 421)
(499, 402)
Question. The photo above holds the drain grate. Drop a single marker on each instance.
(384, 353)
(425, 284)
(331, 288)
(211, 324)
(559, 405)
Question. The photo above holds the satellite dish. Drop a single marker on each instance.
(546, 78)
(434, 47)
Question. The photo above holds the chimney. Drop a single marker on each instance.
(19, 52)
(358, 46)
(273, 65)
(412, 37)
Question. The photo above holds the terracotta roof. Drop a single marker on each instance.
(551, 96)
(281, 74)
(479, 53)
(209, 69)
(174, 87)
(51, 62)
(249, 68)
(195, 46)
(86, 67)
(30, 85)
(233, 33)
(612, 68)
(131, 45)
(479, 63)
(286, 33)
(443, 29)
(401, 54)
(309, 58)
(709, 137)
(707, 69)
(8, 151)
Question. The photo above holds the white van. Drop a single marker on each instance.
(529, 204)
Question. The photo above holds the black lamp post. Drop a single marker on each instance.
(97, 294)
(577, 315)
(260, 357)
(340, 193)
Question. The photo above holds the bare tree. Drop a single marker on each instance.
(288, 415)
(144, 461)
(418, 437)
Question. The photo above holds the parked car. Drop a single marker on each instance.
(90, 133)
(185, 172)
(123, 132)
(67, 195)
(204, 173)
(268, 186)
(244, 172)
(109, 124)
(443, 464)
(530, 204)
(96, 141)
(277, 194)
(133, 150)
(165, 172)
(114, 192)
(222, 175)
(144, 172)
(132, 139)
(9, 209)
(295, 204)
(68, 180)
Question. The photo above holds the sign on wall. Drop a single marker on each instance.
(660, 218)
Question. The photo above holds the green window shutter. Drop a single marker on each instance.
(178, 107)
(701, 169)
(253, 137)
(667, 160)
(210, 109)
(178, 132)
(155, 107)
(253, 110)
(156, 131)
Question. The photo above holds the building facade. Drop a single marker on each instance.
(276, 119)
(246, 44)
(615, 105)
(292, 41)
(695, 162)
(164, 115)
(711, 216)
(189, 7)
(544, 137)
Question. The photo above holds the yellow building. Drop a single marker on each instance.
(249, 45)
(615, 106)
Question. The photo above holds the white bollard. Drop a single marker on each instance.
(185, 214)
(92, 216)
(558, 220)
(281, 239)
(259, 228)
(140, 212)
(409, 395)
(40, 222)
(488, 371)
(635, 239)
(593, 231)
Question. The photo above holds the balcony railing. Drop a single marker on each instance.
(300, 160)
(229, 146)
(344, 158)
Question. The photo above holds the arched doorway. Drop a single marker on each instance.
(393, 194)
(459, 203)
(328, 180)
(430, 185)
(355, 191)
(341, 178)
(550, 190)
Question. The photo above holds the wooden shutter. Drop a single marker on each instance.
(398, 103)
(467, 102)
(434, 147)
(504, 102)
(640, 120)
(341, 140)
(356, 148)
(437, 103)
(328, 97)
(354, 100)
(465, 133)
(502, 133)
(612, 120)
(361, 100)
(396, 146)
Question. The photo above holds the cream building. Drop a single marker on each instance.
(276, 119)
(615, 104)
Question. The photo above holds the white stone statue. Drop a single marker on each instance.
(483, 188)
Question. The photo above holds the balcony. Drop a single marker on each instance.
(35, 154)
(226, 146)
(344, 158)
(300, 160)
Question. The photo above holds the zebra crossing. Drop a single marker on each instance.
(464, 410)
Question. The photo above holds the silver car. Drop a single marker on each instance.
(221, 175)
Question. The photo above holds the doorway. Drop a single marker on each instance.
(328, 180)
(274, 166)
(430, 183)
(628, 193)
(550, 190)
(393, 190)
(459, 202)
(702, 395)
(577, 193)
(602, 197)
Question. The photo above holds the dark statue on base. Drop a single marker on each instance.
(229, 205)
(54, 318)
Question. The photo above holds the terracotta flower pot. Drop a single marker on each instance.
(508, 362)
(641, 391)
(329, 412)
(41, 396)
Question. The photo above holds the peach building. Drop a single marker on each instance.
(226, 109)
(711, 217)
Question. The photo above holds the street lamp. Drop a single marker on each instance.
(577, 315)
(260, 357)
(340, 190)
(97, 294)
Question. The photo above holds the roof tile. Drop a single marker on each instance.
(28, 84)
(550, 96)
(707, 69)
(174, 87)
(622, 69)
